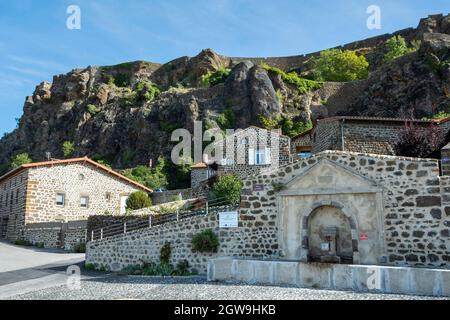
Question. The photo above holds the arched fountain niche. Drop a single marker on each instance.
(329, 236)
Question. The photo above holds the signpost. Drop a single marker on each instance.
(228, 219)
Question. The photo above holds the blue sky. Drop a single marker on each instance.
(35, 43)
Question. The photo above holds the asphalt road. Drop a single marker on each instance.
(25, 269)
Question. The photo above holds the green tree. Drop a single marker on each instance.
(20, 159)
(226, 119)
(394, 48)
(339, 65)
(138, 200)
(68, 149)
(228, 187)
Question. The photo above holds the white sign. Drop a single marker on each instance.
(228, 219)
(325, 246)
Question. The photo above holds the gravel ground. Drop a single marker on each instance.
(112, 287)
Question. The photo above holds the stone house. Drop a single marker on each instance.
(243, 153)
(38, 201)
(358, 134)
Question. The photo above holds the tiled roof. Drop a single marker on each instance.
(70, 161)
(379, 119)
(199, 165)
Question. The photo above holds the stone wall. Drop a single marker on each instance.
(56, 234)
(294, 62)
(414, 210)
(12, 205)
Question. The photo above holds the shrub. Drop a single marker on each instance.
(151, 178)
(122, 80)
(289, 126)
(394, 48)
(165, 253)
(339, 65)
(226, 119)
(40, 245)
(228, 187)
(92, 110)
(414, 141)
(20, 159)
(182, 268)
(89, 266)
(138, 200)
(68, 149)
(205, 241)
(79, 247)
(214, 78)
(147, 90)
(22, 242)
(303, 85)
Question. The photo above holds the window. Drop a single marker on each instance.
(108, 196)
(260, 156)
(84, 202)
(60, 199)
(303, 152)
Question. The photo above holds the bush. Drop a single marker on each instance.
(205, 241)
(138, 200)
(339, 65)
(394, 48)
(22, 242)
(214, 78)
(40, 245)
(122, 80)
(182, 268)
(68, 149)
(89, 266)
(414, 141)
(92, 109)
(289, 126)
(303, 85)
(147, 90)
(20, 159)
(165, 253)
(79, 247)
(151, 178)
(226, 119)
(228, 187)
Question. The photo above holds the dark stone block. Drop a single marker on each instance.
(432, 182)
(428, 201)
(445, 233)
(411, 192)
(421, 174)
(418, 234)
(412, 258)
(412, 166)
(447, 211)
(436, 213)
(394, 258)
(433, 257)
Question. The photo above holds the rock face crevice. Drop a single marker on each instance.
(101, 110)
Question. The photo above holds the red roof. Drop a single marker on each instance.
(70, 161)
(199, 165)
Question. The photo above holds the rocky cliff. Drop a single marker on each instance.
(124, 114)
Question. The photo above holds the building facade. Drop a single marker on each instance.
(360, 134)
(246, 152)
(45, 195)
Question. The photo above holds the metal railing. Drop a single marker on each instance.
(210, 207)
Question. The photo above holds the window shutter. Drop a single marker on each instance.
(251, 156)
(268, 156)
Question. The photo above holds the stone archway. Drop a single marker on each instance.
(329, 234)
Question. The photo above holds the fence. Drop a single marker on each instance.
(211, 206)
